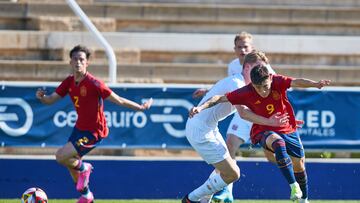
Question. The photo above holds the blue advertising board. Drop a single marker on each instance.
(130, 178)
(331, 117)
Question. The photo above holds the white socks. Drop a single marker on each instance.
(230, 187)
(211, 185)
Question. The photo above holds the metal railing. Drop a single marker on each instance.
(91, 27)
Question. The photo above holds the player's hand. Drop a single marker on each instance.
(193, 111)
(278, 119)
(199, 92)
(146, 105)
(40, 93)
(299, 123)
(323, 83)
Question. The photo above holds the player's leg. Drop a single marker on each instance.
(225, 195)
(82, 142)
(68, 157)
(212, 148)
(270, 156)
(233, 142)
(229, 172)
(237, 134)
(275, 142)
(301, 177)
(296, 151)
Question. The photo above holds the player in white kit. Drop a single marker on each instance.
(203, 134)
(238, 131)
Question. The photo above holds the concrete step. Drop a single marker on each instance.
(133, 56)
(226, 57)
(167, 72)
(334, 3)
(181, 48)
(189, 18)
(57, 23)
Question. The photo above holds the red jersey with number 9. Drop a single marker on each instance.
(88, 99)
(276, 101)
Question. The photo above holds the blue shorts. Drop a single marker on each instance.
(83, 141)
(294, 146)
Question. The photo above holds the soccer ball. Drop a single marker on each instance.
(34, 195)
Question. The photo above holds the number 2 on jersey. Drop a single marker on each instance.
(76, 101)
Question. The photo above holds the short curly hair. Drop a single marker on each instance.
(81, 48)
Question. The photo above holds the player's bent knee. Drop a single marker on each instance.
(233, 174)
(299, 164)
(299, 168)
(232, 151)
(60, 158)
(237, 173)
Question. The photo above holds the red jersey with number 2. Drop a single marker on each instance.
(88, 99)
(277, 101)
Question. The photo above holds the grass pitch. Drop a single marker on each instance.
(177, 201)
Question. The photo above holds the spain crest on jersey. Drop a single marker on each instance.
(275, 95)
(83, 91)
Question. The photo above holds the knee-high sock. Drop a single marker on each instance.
(85, 191)
(283, 160)
(211, 185)
(301, 178)
(230, 187)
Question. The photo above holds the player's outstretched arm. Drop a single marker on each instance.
(209, 103)
(47, 99)
(275, 120)
(303, 82)
(128, 103)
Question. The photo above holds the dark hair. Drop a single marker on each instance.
(82, 49)
(259, 74)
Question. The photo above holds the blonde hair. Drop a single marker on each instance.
(243, 36)
(255, 56)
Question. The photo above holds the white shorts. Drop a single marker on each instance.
(207, 142)
(240, 128)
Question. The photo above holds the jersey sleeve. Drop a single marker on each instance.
(63, 88)
(283, 82)
(235, 97)
(104, 90)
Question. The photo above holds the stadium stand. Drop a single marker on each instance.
(191, 42)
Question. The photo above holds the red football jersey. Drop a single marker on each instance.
(277, 101)
(88, 99)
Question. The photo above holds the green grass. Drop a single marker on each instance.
(177, 201)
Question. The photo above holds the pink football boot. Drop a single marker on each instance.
(83, 179)
(83, 199)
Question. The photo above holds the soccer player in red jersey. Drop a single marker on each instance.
(87, 94)
(266, 96)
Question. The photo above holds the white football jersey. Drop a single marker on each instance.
(235, 67)
(211, 116)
